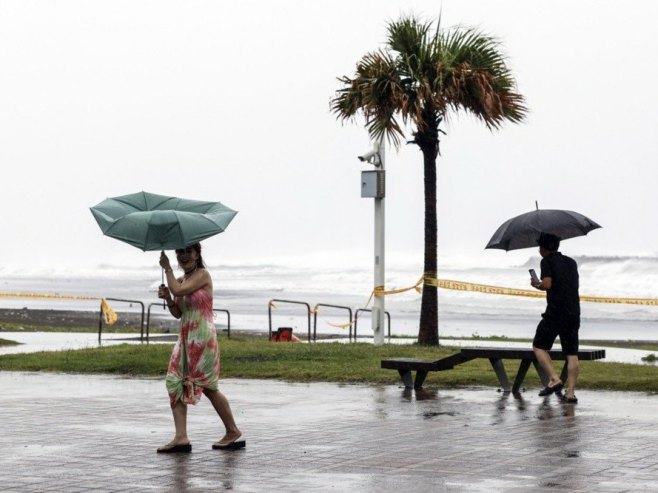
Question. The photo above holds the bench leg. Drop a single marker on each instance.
(499, 368)
(523, 370)
(407, 380)
(420, 378)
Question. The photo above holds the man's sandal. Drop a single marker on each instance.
(551, 390)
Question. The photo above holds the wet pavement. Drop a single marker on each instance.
(63, 432)
(32, 342)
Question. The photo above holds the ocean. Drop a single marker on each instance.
(246, 288)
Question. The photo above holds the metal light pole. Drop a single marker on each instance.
(373, 184)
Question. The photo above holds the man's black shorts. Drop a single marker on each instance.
(549, 329)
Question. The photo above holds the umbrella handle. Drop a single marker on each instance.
(164, 303)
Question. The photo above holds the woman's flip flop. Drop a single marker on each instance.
(234, 445)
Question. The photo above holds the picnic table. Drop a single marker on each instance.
(496, 356)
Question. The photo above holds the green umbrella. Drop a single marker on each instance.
(156, 222)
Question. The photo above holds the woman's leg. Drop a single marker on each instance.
(180, 422)
(221, 405)
(179, 412)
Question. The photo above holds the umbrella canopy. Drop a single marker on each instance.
(523, 231)
(156, 222)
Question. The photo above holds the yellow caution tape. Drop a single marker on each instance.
(109, 315)
(340, 326)
(46, 296)
(380, 291)
(272, 305)
(626, 301)
(316, 310)
(485, 288)
(429, 280)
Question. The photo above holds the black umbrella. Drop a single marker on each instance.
(523, 231)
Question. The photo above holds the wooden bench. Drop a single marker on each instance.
(405, 366)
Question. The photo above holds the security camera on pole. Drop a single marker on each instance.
(373, 184)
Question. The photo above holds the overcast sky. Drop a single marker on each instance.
(229, 101)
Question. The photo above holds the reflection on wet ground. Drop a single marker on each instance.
(32, 342)
(100, 432)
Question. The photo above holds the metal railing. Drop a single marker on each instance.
(352, 335)
(315, 318)
(100, 317)
(356, 320)
(269, 314)
(228, 317)
(148, 318)
(312, 336)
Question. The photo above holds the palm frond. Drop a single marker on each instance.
(408, 36)
(424, 71)
(375, 91)
(476, 77)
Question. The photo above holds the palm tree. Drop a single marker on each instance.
(421, 75)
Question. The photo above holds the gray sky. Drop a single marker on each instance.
(229, 101)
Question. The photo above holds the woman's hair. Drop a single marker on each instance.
(197, 249)
(199, 260)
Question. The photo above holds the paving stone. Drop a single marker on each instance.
(100, 433)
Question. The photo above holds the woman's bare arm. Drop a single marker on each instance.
(182, 287)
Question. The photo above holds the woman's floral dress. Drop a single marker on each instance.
(194, 362)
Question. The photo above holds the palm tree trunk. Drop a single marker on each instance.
(428, 141)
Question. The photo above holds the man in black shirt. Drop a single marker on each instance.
(559, 278)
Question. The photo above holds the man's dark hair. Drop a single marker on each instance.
(549, 241)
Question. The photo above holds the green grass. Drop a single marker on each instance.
(253, 357)
(7, 342)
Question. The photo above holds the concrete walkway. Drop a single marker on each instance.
(76, 433)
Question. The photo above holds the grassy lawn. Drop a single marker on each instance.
(255, 357)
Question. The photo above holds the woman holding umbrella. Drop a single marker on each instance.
(194, 364)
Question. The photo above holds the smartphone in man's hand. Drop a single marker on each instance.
(533, 275)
